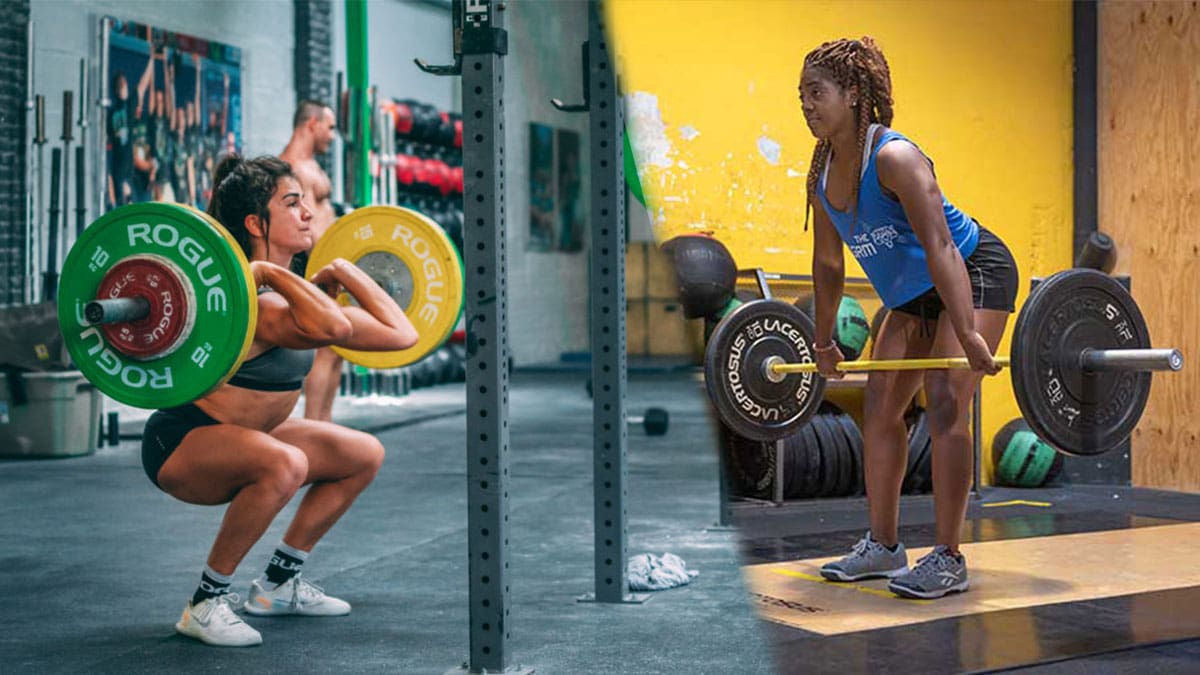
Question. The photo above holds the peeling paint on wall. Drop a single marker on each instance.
(648, 132)
(769, 149)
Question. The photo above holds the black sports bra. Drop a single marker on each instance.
(277, 369)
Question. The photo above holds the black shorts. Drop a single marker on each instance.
(994, 281)
(165, 431)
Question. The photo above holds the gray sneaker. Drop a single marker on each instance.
(935, 574)
(868, 559)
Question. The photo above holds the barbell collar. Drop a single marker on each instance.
(772, 371)
(116, 310)
(1111, 360)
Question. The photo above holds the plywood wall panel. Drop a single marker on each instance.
(1149, 172)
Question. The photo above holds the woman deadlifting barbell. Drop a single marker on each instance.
(239, 445)
(950, 286)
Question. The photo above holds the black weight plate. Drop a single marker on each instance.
(736, 379)
(1078, 413)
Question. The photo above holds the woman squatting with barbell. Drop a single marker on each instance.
(950, 285)
(239, 445)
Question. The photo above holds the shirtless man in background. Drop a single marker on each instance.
(313, 129)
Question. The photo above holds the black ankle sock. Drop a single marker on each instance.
(211, 585)
(285, 564)
(892, 548)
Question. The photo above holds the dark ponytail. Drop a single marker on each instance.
(243, 187)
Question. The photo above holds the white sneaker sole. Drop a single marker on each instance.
(248, 642)
(257, 610)
(927, 595)
(838, 575)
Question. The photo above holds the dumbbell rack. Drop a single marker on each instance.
(428, 165)
(852, 380)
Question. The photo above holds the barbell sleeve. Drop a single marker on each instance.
(1107, 360)
(116, 310)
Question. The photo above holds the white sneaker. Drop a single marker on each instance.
(213, 622)
(294, 596)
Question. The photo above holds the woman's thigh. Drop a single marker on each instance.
(212, 463)
(334, 452)
(950, 391)
(902, 336)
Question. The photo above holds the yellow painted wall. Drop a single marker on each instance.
(983, 87)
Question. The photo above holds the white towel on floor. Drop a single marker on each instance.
(649, 572)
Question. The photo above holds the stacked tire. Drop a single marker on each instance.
(823, 459)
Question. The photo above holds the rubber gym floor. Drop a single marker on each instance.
(97, 564)
(1100, 546)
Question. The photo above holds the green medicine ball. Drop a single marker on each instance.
(1021, 459)
(852, 328)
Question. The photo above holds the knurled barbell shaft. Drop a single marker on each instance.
(1096, 360)
(896, 364)
(116, 310)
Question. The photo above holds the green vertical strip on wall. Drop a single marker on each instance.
(357, 78)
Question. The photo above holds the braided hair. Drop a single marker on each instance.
(244, 187)
(851, 63)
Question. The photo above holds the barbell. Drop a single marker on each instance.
(158, 306)
(1081, 365)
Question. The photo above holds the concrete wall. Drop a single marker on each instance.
(548, 290)
(399, 31)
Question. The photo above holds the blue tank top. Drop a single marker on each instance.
(882, 240)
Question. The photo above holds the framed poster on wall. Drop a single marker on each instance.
(176, 111)
(570, 202)
(555, 203)
(542, 187)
